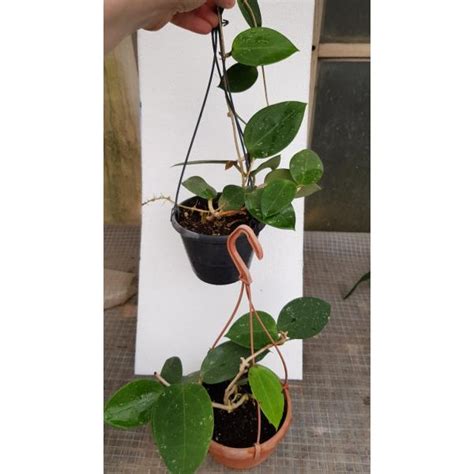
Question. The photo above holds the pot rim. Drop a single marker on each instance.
(216, 239)
(269, 443)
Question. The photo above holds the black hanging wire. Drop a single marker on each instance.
(215, 38)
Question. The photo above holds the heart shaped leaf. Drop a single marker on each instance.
(232, 198)
(304, 191)
(223, 362)
(272, 164)
(132, 404)
(304, 317)
(261, 46)
(267, 389)
(251, 12)
(172, 370)
(285, 219)
(280, 173)
(306, 167)
(276, 196)
(199, 187)
(240, 330)
(273, 128)
(240, 77)
(182, 423)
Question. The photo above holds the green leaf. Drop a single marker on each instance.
(285, 219)
(172, 370)
(240, 331)
(267, 389)
(240, 77)
(182, 424)
(261, 46)
(202, 162)
(304, 191)
(304, 317)
(251, 12)
(132, 404)
(364, 277)
(253, 203)
(273, 128)
(306, 167)
(272, 164)
(280, 173)
(223, 362)
(232, 198)
(276, 196)
(199, 187)
(193, 377)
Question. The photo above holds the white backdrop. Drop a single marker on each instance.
(177, 313)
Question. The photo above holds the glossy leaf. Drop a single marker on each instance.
(172, 370)
(132, 404)
(272, 164)
(273, 128)
(232, 198)
(280, 173)
(202, 162)
(285, 219)
(223, 362)
(267, 389)
(304, 191)
(251, 12)
(261, 46)
(306, 167)
(240, 77)
(304, 317)
(276, 196)
(253, 202)
(199, 187)
(182, 424)
(240, 330)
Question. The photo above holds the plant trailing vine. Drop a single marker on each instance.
(259, 141)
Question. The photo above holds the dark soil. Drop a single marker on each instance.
(239, 428)
(194, 221)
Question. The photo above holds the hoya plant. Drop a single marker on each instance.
(189, 413)
(266, 190)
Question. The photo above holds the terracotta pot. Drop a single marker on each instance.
(246, 458)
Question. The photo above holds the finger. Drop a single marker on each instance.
(208, 14)
(224, 3)
(190, 21)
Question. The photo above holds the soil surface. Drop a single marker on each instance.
(239, 428)
(194, 221)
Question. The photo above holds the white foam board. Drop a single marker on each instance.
(177, 313)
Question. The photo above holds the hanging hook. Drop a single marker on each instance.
(244, 272)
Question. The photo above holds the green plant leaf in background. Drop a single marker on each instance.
(304, 191)
(199, 187)
(240, 77)
(232, 198)
(132, 404)
(172, 370)
(363, 278)
(272, 163)
(276, 196)
(251, 12)
(261, 46)
(223, 362)
(304, 317)
(193, 377)
(273, 128)
(267, 389)
(285, 219)
(253, 201)
(306, 167)
(240, 331)
(182, 423)
(280, 173)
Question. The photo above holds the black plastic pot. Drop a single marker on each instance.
(208, 253)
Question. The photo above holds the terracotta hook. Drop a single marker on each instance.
(244, 272)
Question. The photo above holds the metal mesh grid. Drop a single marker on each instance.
(330, 430)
